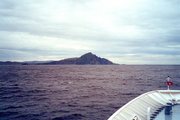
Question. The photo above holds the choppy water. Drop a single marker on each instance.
(73, 92)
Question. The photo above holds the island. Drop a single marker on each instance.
(86, 59)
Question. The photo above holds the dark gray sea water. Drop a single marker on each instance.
(76, 92)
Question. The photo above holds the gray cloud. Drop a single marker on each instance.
(53, 29)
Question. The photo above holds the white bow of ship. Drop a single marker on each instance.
(147, 105)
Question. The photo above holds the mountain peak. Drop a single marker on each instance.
(88, 58)
(89, 54)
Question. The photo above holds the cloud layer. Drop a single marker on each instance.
(127, 32)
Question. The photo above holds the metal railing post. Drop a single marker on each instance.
(148, 113)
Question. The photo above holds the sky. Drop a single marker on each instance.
(123, 31)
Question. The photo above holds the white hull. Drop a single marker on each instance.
(142, 107)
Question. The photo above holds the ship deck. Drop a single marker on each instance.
(175, 115)
(147, 106)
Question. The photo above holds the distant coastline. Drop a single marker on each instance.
(86, 59)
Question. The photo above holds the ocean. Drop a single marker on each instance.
(76, 92)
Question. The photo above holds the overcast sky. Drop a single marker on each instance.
(124, 31)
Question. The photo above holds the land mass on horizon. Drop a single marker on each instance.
(86, 59)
